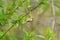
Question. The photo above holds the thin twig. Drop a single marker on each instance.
(53, 15)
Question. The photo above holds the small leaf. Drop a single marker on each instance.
(40, 36)
(26, 33)
(14, 4)
(9, 6)
(21, 3)
(3, 17)
(28, 3)
(1, 33)
(1, 3)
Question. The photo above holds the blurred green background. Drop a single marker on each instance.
(29, 20)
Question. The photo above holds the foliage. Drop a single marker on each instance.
(48, 35)
(1, 33)
(28, 36)
(10, 16)
(28, 3)
(1, 3)
(2, 17)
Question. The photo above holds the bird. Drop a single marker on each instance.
(29, 20)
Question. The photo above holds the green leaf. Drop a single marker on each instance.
(49, 34)
(46, 1)
(2, 17)
(28, 3)
(28, 36)
(1, 3)
(26, 33)
(21, 3)
(40, 36)
(9, 6)
(1, 33)
(22, 20)
(6, 37)
(14, 4)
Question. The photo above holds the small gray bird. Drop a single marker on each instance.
(29, 20)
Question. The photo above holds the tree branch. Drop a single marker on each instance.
(53, 15)
(19, 19)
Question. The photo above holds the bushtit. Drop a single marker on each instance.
(29, 20)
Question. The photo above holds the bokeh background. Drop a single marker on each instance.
(41, 18)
